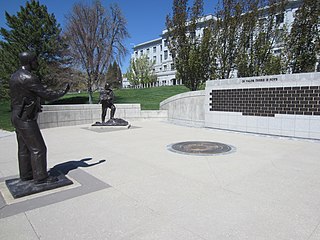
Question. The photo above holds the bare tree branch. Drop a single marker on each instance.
(95, 35)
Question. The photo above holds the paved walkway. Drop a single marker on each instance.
(128, 186)
(4, 133)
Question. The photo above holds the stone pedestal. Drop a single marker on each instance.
(112, 122)
(20, 188)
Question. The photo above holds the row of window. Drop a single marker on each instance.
(154, 49)
(279, 19)
(165, 68)
(165, 52)
(165, 56)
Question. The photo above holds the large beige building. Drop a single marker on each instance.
(157, 51)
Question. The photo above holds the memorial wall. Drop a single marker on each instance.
(284, 105)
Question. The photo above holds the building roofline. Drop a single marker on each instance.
(147, 42)
(201, 19)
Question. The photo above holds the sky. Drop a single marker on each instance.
(145, 18)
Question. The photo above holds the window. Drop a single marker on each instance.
(154, 49)
(160, 47)
(141, 52)
(136, 53)
(154, 59)
(279, 36)
(279, 18)
(193, 34)
(164, 67)
(148, 50)
(161, 58)
(262, 21)
(165, 43)
(165, 54)
(172, 66)
(277, 51)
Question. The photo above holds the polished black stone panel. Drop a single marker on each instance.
(266, 102)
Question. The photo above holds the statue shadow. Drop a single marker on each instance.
(66, 167)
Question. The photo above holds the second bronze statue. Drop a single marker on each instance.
(106, 99)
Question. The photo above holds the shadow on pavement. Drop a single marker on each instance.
(66, 167)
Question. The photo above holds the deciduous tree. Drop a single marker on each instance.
(141, 73)
(187, 45)
(96, 35)
(226, 32)
(304, 39)
(261, 31)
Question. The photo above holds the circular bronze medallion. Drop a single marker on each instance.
(200, 148)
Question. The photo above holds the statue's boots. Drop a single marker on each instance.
(48, 180)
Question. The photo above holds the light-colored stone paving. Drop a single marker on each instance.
(4, 133)
(268, 188)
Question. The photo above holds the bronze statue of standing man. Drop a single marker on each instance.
(26, 91)
(106, 99)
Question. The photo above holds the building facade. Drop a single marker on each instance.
(157, 50)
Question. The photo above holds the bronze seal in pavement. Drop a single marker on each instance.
(201, 148)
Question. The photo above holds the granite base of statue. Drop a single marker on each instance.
(113, 122)
(19, 188)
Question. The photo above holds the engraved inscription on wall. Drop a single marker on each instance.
(304, 100)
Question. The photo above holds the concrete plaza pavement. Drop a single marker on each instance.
(128, 186)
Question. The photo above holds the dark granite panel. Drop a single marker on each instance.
(267, 102)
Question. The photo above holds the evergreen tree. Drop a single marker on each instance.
(33, 29)
(114, 75)
(4, 83)
(118, 75)
(304, 39)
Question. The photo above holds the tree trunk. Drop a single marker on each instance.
(90, 95)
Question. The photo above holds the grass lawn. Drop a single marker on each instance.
(149, 98)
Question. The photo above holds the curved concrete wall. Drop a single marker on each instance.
(186, 108)
(282, 105)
